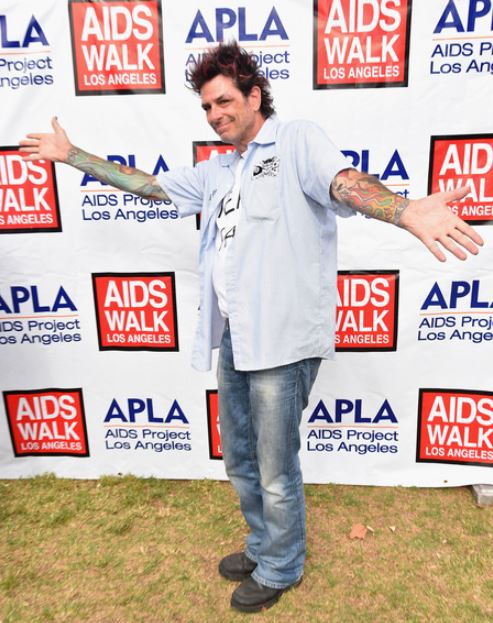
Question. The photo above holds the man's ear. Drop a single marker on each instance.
(256, 98)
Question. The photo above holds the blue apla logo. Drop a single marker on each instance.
(143, 409)
(478, 12)
(234, 22)
(465, 291)
(351, 412)
(394, 167)
(28, 300)
(128, 161)
(33, 34)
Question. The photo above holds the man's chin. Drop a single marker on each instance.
(224, 136)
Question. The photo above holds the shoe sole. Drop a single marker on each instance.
(235, 577)
(267, 604)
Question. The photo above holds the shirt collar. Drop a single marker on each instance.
(268, 131)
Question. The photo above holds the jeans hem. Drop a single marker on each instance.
(279, 585)
(250, 556)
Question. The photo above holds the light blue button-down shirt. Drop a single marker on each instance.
(281, 273)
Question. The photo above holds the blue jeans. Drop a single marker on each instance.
(259, 416)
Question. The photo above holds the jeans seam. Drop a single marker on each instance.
(251, 439)
(294, 427)
(253, 451)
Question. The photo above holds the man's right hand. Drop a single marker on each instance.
(54, 146)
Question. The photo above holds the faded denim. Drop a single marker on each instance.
(259, 416)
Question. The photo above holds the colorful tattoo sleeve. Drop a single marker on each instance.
(366, 194)
(117, 175)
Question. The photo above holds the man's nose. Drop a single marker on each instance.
(214, 114)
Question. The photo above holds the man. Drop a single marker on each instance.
(267, 230)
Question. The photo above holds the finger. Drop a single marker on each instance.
(28, 142)
(30, 150)
(451, 247)
(432, 246)
(31, 157)
(470, 232)
(457, 194)
(55, 125)
(36, 135)
(464, 241)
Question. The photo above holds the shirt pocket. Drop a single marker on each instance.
(261, 201)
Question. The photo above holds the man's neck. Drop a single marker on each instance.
(243, 146)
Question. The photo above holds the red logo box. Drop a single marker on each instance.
(47, 422)
(455, 426)
(205, 150)
(460, 160)
(360, 44)
(136, 311)
(117, 46)
(28, 195)
(215, 451)
(367, 310)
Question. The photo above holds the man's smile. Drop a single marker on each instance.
(221, 127)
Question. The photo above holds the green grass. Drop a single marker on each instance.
(130, 550)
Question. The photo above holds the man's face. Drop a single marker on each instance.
(234, 117)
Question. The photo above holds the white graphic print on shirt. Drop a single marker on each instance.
(226, 223)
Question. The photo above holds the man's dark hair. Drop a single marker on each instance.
(228, 59)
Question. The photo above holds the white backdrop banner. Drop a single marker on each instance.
(99, 289)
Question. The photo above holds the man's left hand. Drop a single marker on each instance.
(433, 222)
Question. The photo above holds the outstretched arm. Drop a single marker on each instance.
(57, 147)
(429, 219)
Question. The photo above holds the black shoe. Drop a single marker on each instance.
(236, 567)
(250, 596)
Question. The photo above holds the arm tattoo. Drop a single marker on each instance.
(117, 175)
(366, 194)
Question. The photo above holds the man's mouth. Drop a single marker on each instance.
(221, 127)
